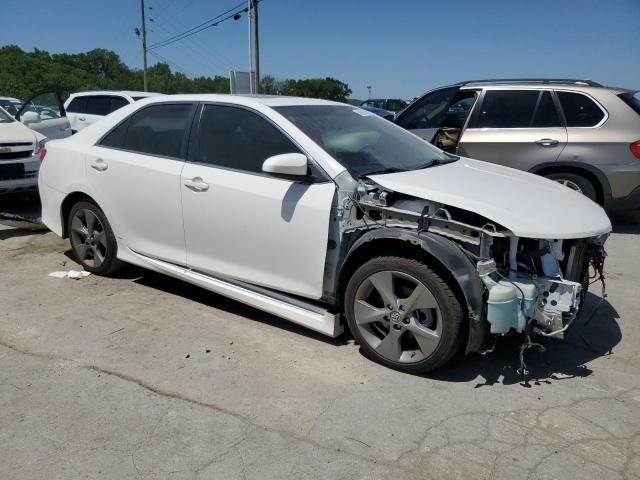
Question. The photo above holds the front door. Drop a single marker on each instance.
(45, 114)
(515, 128)
(247, 225)
(425, 116)
(134, 174)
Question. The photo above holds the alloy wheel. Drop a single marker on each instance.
(88, 238)
(570, 184)
(398, 316)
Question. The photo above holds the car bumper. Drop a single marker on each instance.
(28, 182)
(624, 181)
(627, 203)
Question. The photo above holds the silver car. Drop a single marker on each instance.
(576, 132)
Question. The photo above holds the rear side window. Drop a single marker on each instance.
(116, 103)
(78, 105)
(115, 138)
(158, 130)
(579, 110)
(239, 139)
(98, 105)
(506, 109)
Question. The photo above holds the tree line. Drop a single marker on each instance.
(23, 74)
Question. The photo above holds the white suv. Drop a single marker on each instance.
(311, 210)
(85, 108)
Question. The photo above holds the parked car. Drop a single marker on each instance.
(85, 108)
(308, 209)
(391, 104)
(576, 132)
(45, 114)
(11, 104)
(386, 114)
(20, 152)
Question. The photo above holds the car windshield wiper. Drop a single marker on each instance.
(384, 170)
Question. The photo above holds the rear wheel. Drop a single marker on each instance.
(403, 314)
(92, 240)
(575, 182)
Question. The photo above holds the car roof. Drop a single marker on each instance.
(268, 100)
(573, 84)
(12, 99)
(131, 93)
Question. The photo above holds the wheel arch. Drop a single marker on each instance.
(67, 204)
(591, 173)
(441, 254)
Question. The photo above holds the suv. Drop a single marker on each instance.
(85, 108)
(575, 132)
(311, 210)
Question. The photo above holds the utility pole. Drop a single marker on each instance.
(254, 47)
(144, 45)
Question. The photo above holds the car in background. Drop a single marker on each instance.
(313, 210)
(85, 108)
(391, 104)
(45, 114)
(20, 152)
(381, 112)
(11, 104)
(575, 132)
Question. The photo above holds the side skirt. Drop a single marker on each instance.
(282, 305)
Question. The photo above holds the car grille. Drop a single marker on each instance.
(15, 155)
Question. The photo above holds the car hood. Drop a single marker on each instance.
(528, 205)
(16, 132)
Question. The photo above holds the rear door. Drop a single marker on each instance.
(515, 128)
(45, 114)
(424, 116)
(242, 223)
(134, 172)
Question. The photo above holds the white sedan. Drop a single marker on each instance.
(315, 211)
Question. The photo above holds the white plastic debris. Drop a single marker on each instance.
(75, 274)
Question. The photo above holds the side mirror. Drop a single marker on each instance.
(30, 117)
(287, 164)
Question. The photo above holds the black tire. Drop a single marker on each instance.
(586, 187)
(110, 263)
(450, 309)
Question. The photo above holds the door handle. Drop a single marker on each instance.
(196, 184)
(82, 119)
(547, 142)
(99, 165)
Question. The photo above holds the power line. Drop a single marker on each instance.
(202, 26)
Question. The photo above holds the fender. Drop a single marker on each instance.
(451, 257)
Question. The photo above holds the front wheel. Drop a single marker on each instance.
(575, 182)
(92, 240)
(403, 314)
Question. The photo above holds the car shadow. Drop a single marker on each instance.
(19, 232)
(594, 334)
(200, 295)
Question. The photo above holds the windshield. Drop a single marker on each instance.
(11, 106)
(362, 141)
(633, 100)
(5, 117)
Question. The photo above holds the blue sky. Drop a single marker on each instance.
(401, 48)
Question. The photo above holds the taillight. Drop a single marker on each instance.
(42, 154)
(635, 148)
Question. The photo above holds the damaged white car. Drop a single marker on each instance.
(315, 211)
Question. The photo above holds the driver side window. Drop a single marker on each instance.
(429, 111)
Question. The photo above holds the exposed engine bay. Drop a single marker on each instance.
(531, 285)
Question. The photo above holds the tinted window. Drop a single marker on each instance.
(116, 103)
(98, 105)
(115, 137)
(158, 130)
(429, 111)
(632, 99)
(396, 105)
(506, 109)
(546, 114)
(78, 105)
(239, 139)
(579, 110)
